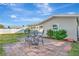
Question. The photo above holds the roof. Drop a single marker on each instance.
(60, 15)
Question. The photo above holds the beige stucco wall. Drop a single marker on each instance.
(67, 23)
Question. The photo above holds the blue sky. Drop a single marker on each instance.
(31, 13)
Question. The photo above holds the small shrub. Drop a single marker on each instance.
(50, 33)
(62, 31)
(59, 35)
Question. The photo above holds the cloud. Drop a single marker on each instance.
(13, 6)
(63, 6)
(71, 13)
(4, 23)
(28, 19)
(3, 3)
(13, 16)
(44, 8)
(8, 4)
(17, 9)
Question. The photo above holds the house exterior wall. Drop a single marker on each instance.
(67, 23)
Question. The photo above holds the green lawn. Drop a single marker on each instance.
(9, 38)
(75, 49)
(1, 50)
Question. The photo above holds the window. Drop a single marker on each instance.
(41, 26)
(55, 27)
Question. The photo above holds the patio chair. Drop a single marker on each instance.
(40, 37)
(29, 38)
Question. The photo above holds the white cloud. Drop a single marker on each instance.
(13, 16)
(14, 7)
(28, 19)
(44, 8)
(17, 9)
(12, 4)
(8, 4)
(71, 13)
(63, 6)
(3, 23)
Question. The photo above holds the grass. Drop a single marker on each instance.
(2, 52)
(75, 49)
(9, 38)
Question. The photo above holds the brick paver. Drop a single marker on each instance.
(51, 48)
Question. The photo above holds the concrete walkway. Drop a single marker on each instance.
(51, 48)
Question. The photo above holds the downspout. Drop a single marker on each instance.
(77, 28)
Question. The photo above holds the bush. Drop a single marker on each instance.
(62, 31)
(50, 33)
(1, 26)
(59, 35)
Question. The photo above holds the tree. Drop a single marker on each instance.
(8, 27)
(1, 26)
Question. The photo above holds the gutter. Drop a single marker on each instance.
(77, 28)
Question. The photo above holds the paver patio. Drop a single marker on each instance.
(51, 48)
